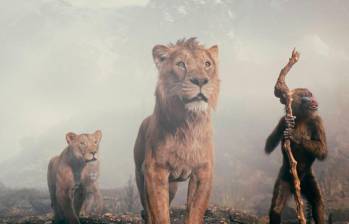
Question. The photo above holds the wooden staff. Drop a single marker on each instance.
(282, 91)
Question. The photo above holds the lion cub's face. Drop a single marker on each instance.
(189, 71)
(84, 146)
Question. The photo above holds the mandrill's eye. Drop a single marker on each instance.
(181, 65)
(208, 64)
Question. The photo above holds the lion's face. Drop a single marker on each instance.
(84, 146)
(190, 72)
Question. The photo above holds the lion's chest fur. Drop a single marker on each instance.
(90, 173)
(185, 150)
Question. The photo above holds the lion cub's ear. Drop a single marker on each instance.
(70, 137)
(214, 52)
(98, 134)
(160, 54)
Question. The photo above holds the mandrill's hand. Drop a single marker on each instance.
(290, 121)
(290, 132)
(292, 135)
(294, 57)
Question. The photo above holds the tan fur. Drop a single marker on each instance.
(93, 200)
(175, 142)
(72, 177)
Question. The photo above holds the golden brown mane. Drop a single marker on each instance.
(169, 107)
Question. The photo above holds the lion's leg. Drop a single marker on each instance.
(93, 197)
(157, 191)
(139, 156)
(88, 202)
(52, 191)
(140, 186)
(64, 199)
(86, 209)
(173, 186)
(51, 182)
(78, 200)
(199, 194)
(58, 214)
(191, 189)
(146, 214)
(142, 193)
(54, 205)
(99, 201)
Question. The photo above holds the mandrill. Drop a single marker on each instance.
(306, 133)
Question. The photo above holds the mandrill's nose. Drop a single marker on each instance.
(199, 82)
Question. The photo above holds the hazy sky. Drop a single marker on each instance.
(82, 65)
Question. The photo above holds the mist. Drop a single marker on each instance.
(72, 65)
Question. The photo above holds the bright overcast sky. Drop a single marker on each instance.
(106, 3)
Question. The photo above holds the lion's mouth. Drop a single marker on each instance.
(199, 97)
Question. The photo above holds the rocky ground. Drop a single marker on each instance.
(214, 215)
(26, 206)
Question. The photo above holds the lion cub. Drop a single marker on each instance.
(72, 177)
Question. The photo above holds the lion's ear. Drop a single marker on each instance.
(160, 53)
(70, 136)
(98, 134)
(214, 52)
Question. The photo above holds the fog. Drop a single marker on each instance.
(74, 65)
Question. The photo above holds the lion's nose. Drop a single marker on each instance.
(199, 82)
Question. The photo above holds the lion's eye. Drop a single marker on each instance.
(82, 143)
(96, 142)
(181, 64)
(208, 64)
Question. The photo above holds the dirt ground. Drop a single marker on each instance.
(213, 215)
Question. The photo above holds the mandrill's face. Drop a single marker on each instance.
(304, 103)
(84, 146)
(189, 73)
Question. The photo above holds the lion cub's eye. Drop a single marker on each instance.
(181, 64)
(82, 143)
(96, 142)
(208, 64)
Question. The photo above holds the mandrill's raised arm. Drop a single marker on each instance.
(275, 137)
(281, 89)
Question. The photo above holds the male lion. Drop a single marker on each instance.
(175, 142)
(72, 176)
